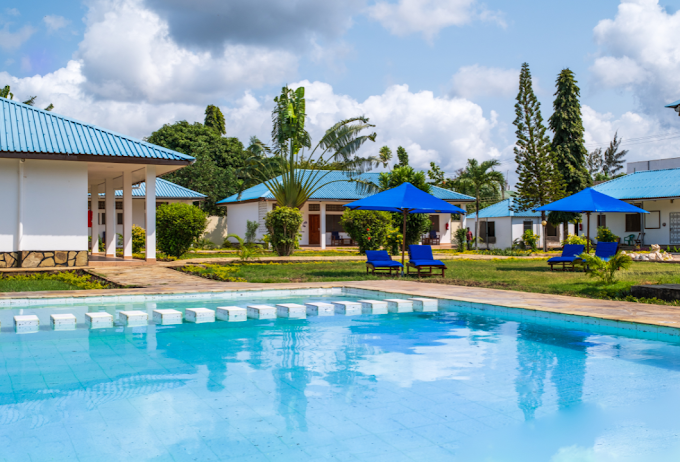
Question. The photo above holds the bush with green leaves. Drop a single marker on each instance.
(251, 231)
(528, 241)
(460, 238)
(368, 228)
(604, 234)
(393, 241)
(245, 250)
(283, 224)
(138, 239)
(605, 270)
(574, 239)
(178, 226)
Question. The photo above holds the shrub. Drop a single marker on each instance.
(178, 226)
(203, 244)
(138, 239)
(604, 234)
(528, 241)
(251, 231)
(245, 250)
(368, 228)
(417, 224)
(574, 239)
(283, 224)
(393, 241)
(605, 270)
(461, 239)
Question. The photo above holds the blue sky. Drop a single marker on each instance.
(437, 76)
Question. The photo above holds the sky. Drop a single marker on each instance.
(438, 77)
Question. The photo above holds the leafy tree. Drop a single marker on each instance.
(540, 181)
(594, 162)
(488, 195)
(436, 175)
(368, 228)
(612, 160)
(477, 177)
(215, 119)
(402, 155)
(385, 155)
(7, 93)
(178, 226)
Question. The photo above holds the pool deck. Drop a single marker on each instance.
(161, 279)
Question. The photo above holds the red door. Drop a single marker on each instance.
(314, 229)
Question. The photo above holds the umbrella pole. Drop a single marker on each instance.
(588, 232)
(403, 242)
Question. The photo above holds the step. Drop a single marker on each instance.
(26, 323)
(320, 309)
(64, 321)
(347, 308)
(133, 317)
(261, 312)
(167, 317)
(231, 313)
(399, 305)
(199, 315)
(425, 304)
(373, 306)
(291, 310)
(99, 319)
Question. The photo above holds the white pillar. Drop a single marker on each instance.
(150, 213)
(110, 209)
(20, 207)
(127, 215)
(323, 226)
(94, 208)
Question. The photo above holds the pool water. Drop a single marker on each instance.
(449, 386)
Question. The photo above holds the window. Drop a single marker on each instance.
(158, 204)
(653, 220)
(491, 229)
(551, 230)
(435, 223)
(602, 221)
(314, 207)
(528, 226)
(119, 206)
(102, 205)
(333, 224)
(103, 219)
(633, 223)
(335, 208)
(120, 218)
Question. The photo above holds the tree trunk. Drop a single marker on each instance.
(477, 224)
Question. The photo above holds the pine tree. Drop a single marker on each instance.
(539, 181)
(594, 162)
(612, 160)
(402, 155)
(215, 119)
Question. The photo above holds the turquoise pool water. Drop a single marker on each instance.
(450, 386)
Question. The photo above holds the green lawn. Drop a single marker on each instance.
(510, 274)
(62, 280)
(14, 285)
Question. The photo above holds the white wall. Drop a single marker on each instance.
(616, 222)
(238, 215)
(55, 205)
(9, 193)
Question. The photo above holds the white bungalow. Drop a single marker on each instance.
(321, 214)
(48, 164)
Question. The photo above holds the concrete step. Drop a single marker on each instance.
(425, 304)
(199, 315)
(291, 310)
(99, 320)
(133, 317)
(347, 308)
(320, 309)
(65, 321)
(167, 317)
(398, 305)
(231, 313)
(261, 312)
(373, 306)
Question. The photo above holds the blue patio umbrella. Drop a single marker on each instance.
(588, 201)
(404, 199)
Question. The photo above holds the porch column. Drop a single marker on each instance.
(110, 209)
(150, 201)
(323, 226)
(94, 231)
(127, 215)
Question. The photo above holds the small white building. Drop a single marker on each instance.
(500, 226)
(321, 214)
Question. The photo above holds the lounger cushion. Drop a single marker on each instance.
(563, 259)
(426, 263)
(606, 250)
(377, 255)
(420, 252)
(384, 264)
(572, 250)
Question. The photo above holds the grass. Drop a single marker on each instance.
(511, 274)
(14, 285)
(63, 280)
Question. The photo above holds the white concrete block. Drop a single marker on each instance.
(320, 309)
(167, 317)
(425, 304)
(133, 317)
(199, 315)
(261, 311)
(291, 310)
(373, 306)
(231, 313)
(347, 308)
(64, 321)
(99, 319)
(26, 324)
(398, 305)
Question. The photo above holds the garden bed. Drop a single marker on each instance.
(31, 281)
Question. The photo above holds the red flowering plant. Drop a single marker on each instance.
(368, 228)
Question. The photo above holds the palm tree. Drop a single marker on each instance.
(477, 177)
(7, 93)
(385, 155)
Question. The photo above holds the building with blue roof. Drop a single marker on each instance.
(48, 165)
(322, 212)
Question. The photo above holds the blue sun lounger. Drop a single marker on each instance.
(420, 256)
(570, 254)
(606, 250)
(380, 260)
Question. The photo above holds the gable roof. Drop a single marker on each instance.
(164, 190)
(503, 209)
(340, 190)
(28, 129)
(647, 184)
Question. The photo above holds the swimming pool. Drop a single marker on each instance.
(457, 384)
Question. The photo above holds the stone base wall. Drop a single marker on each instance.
(43, 259)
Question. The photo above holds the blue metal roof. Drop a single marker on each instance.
(164, 190)
(503, 209)
(674, 104)
(27, 129)
(650, 184)
(340, 190)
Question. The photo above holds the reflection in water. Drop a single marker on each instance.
(292, 378)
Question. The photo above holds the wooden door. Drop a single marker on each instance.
(314, 229)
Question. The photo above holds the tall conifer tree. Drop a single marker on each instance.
(215, 119)
(539, 180)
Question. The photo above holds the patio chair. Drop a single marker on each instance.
(420, 257)
(570, 255)
(628, 240)
(606, 250)
(335, 238)
(434, 240)
(380, 260)
(640, 239)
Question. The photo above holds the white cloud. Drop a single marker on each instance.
(428, 17)
(476, 80)
(12, 40)
(54, 22)
(12, 12)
